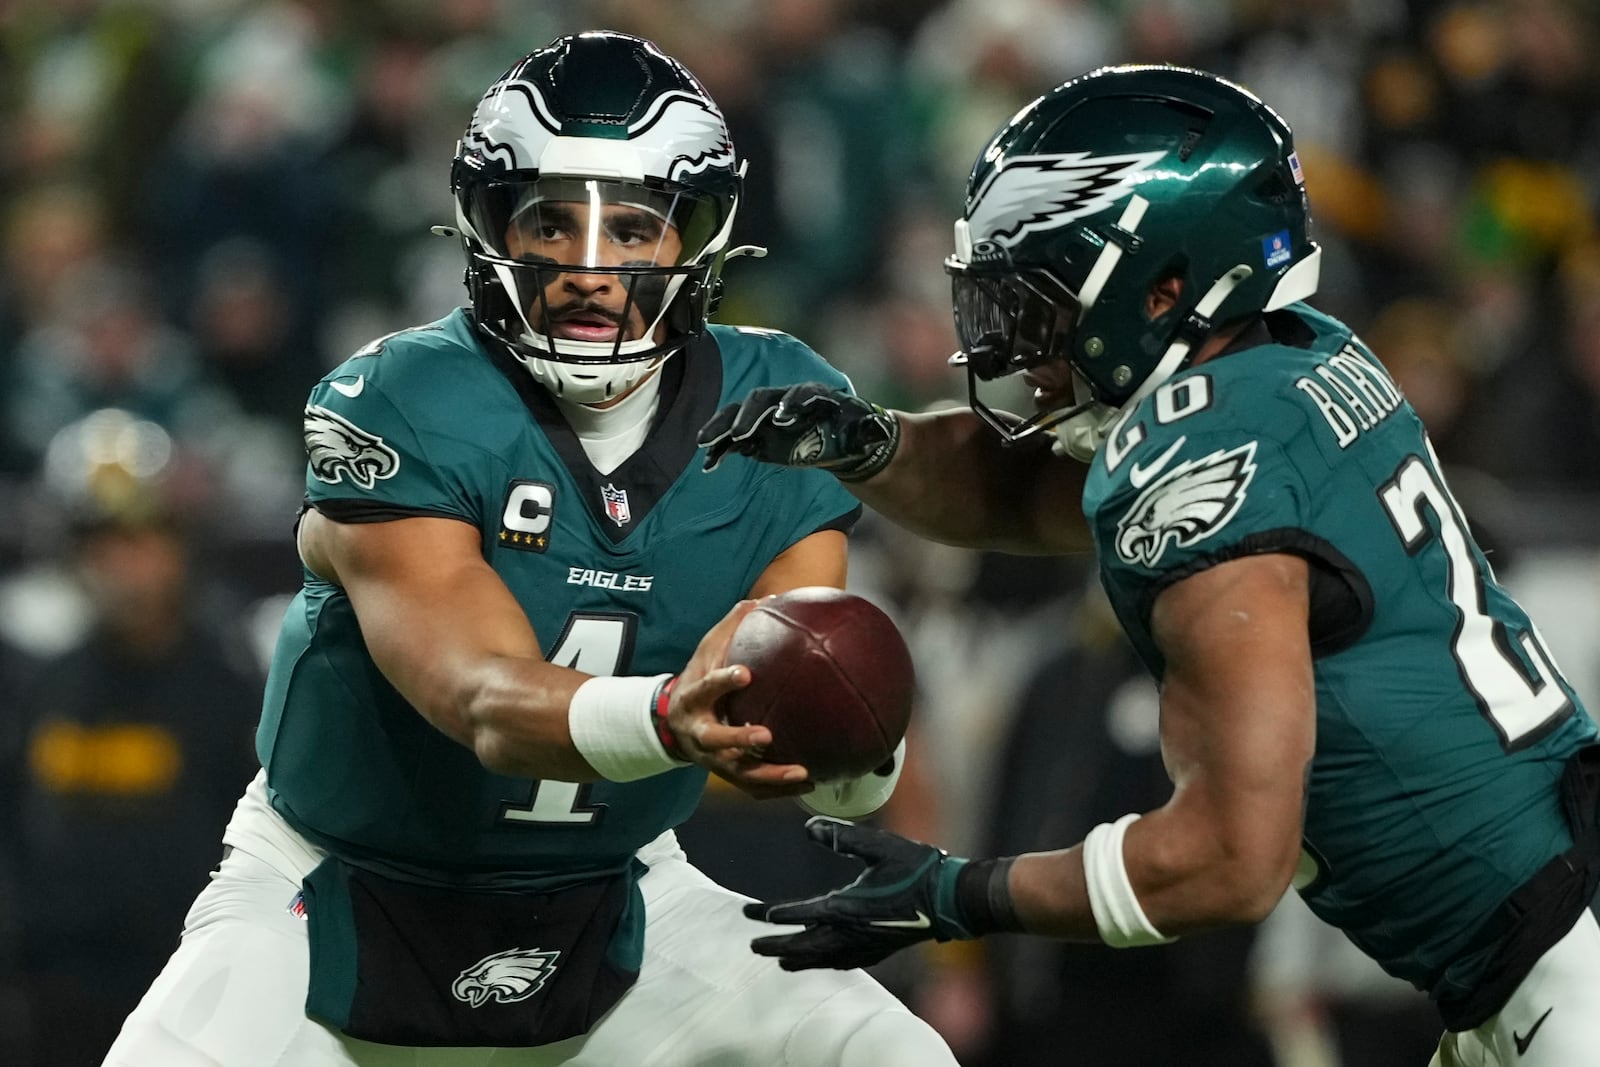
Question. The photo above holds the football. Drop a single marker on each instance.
(830, 675)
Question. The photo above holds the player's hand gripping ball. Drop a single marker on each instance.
(830, 676)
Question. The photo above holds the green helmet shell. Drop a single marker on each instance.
(1105, 186)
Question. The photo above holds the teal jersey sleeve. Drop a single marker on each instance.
(1177, 499)
(366, 459)
(390, 433)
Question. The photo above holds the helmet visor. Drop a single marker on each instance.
(593, 266)
(589, 223)
(1010, 321)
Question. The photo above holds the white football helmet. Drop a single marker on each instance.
(595, 192)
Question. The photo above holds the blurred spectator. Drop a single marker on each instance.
(1549, 432)
(1429, 353)
(118, 768)
(382, 176)
(50, 234)
(246, 158)
(1520, 79)
(93, 87)
(105, 344)
(977, 624)
(15, 675)
(981, 60)
(249, 334)
(47, 235)
(835, 154)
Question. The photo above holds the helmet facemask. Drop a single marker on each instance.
(1010, 321)
(599, 280)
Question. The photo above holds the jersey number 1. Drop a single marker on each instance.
(593, 643)
(1519, 699)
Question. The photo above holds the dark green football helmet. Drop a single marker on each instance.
(599, 158)
(1094, 193)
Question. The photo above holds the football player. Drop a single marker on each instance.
(491, 702)
(1350, 702)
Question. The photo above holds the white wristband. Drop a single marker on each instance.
(611, 726)
(1122, 922)
(855, 798)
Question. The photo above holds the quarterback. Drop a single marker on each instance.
(491, 702)
(1350, 702)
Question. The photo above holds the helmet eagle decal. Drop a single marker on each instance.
(1034, 193)
(682, 131)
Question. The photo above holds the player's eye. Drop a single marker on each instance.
(630, 235)
(550, 232)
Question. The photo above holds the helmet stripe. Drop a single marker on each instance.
(1110, 255)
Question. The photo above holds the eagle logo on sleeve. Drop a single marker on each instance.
(339, 450)
(1189, 503)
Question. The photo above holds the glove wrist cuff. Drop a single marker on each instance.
(878, 454)
(983, 896)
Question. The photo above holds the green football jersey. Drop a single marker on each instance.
(1443, 724)
(619, 574)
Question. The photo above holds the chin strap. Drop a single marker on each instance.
(1083, 429)
(1080, 434)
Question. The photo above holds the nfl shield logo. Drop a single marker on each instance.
(616, 504)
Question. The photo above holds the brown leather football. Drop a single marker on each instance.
(830, 675)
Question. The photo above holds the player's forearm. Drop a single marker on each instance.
(952, 480)
(1199, 871)
(470, 665)
(1183, 881)
(516, 719)
(510, 711)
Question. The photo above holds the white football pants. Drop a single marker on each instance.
(1553, 1018)
(233, 994)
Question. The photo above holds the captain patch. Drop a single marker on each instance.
(530, 509)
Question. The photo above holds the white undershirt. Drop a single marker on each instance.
(610, 435)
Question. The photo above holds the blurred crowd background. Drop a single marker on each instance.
(206, 203)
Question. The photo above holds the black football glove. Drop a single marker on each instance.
(807, 425)
(907, 894)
